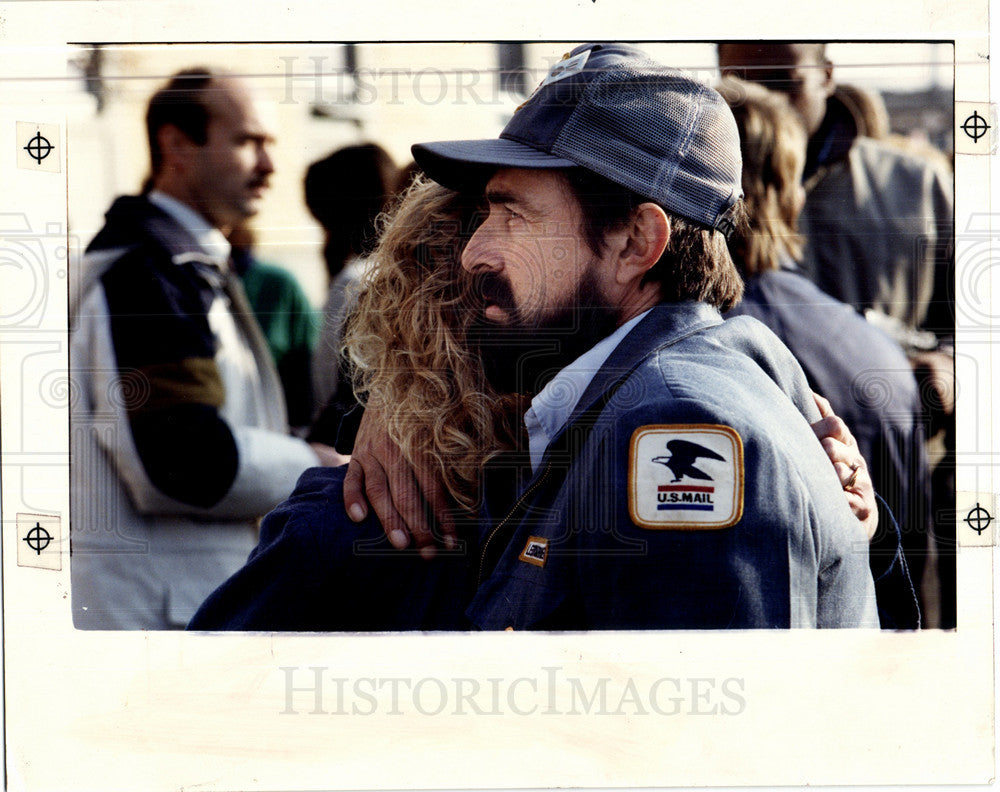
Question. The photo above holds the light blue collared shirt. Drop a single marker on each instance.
(552, 407)
(210, 238)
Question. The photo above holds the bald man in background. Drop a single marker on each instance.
(180, 430)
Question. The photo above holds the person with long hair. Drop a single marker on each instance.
(411, 342)
(874, 391)
(418, 363)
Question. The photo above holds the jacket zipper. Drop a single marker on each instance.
(511, 513)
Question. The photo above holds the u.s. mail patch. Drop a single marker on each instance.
(685, 477)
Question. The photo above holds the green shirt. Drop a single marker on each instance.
(290, 325)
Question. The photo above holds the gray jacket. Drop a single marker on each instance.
(879, 224)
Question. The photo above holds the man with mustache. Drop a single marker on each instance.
(603, 261)
(180, 432)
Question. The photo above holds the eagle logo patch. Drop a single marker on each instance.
(685, 477)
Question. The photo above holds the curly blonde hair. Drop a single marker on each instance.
(407, 341)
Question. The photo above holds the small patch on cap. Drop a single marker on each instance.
(566, 67)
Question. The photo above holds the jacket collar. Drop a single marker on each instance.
(663, 326)
(833, 140)
(209, 238)
(133, 220)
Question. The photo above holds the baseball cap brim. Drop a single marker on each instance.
(468, 164)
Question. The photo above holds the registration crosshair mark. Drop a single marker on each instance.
(978, 519)
(38, 538)
(39, 147)
(975, 126)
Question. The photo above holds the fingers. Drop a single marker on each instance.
(392, 493)
(852, 471)
(861, 499)
(865, 511)
(354, 488)
(825, 408)
(831, 425)
(367, 484)
(845, 458)
(854, 477)
(852, 474)
(409, 512)
(438, 504)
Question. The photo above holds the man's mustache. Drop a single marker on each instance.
(489, 288)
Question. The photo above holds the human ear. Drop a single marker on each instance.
(644, 240)
(828, 83)
(175, 146)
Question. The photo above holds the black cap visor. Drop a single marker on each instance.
(469, 164)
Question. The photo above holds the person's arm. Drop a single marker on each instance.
(412, 504)
(313, 570)
(184, 456)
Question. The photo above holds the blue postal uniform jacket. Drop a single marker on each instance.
(703, 418)
(870, 385)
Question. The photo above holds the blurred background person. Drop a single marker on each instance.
(862, 371)
(877, 219)
(879, 229)
(180, 433)
(345, 192)
(872, 121)
(287, 319)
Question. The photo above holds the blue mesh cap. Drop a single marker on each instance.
(611, 109)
